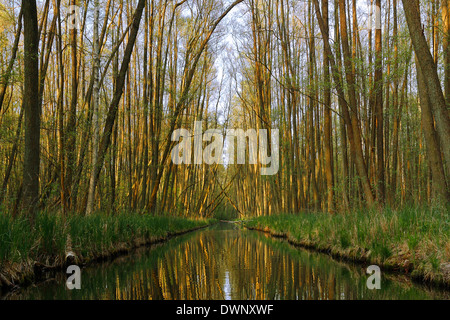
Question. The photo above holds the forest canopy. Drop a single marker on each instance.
(92, 91)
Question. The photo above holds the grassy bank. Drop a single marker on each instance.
(26, 253)
(415, 241)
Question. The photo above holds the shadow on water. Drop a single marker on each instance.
(226, 262)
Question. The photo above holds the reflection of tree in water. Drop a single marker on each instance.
(216, 264)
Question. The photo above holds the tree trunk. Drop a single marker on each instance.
(429, 72)
(95, 106)
(433, 150)
(379, 104)
(12, 60)
(32, 111)
(327, 118)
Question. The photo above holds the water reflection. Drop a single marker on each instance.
(225, 262)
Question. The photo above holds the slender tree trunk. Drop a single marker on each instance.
(379, 104)
(60, 113)
(9, 69)
(32, 112)
(446, 46)
(72, 122)
(95, 106)
(433, 150)
(327, 119)
(11, 158)
(396, 115)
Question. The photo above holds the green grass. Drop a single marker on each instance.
(90, 236)
(417, 238)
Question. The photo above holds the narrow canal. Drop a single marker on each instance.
(226, 261)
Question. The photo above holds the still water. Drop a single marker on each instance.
(226, 261)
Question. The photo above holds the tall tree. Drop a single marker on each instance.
(95, 107)
(379, 103)
(446, 46)
(327, 117)
(72, 121)
(434, 155)
(429, 71)
(31, 106)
